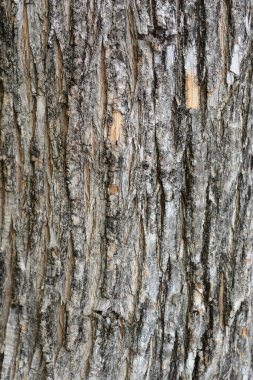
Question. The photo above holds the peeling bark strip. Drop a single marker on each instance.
(191, 80)
(116, 126)
(125, 189)
(192, 91)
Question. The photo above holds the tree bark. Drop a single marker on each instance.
(125, 190)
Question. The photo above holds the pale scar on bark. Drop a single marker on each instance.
(113, 189)
(245, 332)
(192, 91)
(115, 128)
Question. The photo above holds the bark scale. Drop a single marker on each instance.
(125, 190)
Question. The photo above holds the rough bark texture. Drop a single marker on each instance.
(125, 198)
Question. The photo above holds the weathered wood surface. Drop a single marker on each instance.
(125, 200)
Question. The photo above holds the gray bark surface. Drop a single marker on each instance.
(126, 189)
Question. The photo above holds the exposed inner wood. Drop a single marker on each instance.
(192, 91)
(116, 127)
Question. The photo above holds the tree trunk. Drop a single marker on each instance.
(125, 197)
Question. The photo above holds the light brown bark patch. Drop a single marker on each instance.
(192, 91)
(115, 128)
(113, 189)
(245, 332)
